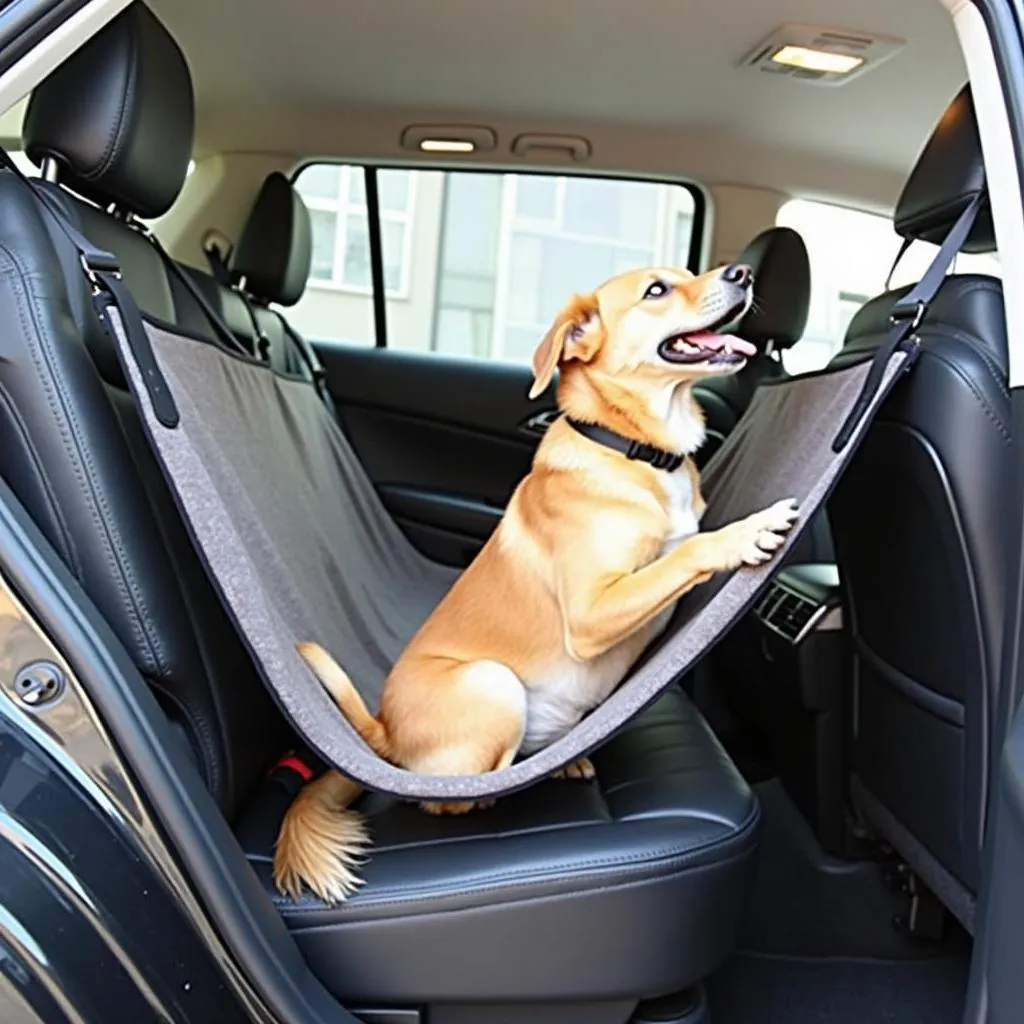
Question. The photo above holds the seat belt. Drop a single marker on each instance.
(218, 264)
(261, 340)
(906, 317)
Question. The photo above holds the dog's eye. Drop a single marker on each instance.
(656, 290)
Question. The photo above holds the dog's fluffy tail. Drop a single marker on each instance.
(321, 843)
(337, 683)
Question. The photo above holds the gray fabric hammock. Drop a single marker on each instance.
(300, 546)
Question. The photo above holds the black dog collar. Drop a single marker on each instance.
(659, 458)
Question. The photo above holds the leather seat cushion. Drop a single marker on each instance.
(629, 885)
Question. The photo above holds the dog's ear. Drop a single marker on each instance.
(577, 333)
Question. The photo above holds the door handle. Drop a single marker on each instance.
(539, 422)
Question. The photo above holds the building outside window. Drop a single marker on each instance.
(341, 249)
(477, 263)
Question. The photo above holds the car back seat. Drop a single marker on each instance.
(602, 893)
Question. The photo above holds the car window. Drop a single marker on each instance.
(477, 263)
(851, 253)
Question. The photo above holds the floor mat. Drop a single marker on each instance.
(805, 903)
(753, 989)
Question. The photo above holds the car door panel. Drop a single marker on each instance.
(444, 439)
(996, 993)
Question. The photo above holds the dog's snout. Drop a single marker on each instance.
(739, 274)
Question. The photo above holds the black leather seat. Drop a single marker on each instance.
(586, 893)
(600, 893)
(775, 322)
(921, 530)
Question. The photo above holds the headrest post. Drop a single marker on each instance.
(49, 169)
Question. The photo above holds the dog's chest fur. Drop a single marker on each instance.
(569, 689)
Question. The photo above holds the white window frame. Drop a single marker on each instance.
(510, 221)
(342, 207)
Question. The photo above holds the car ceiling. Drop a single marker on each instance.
(668, 63)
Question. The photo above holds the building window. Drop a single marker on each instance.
(483, 261)
(851, 254)
(336, 197)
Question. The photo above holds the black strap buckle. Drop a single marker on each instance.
(94, 265)
(914, 313)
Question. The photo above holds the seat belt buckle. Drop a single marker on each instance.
(292, 772)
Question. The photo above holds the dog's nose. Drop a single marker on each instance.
(738, 273)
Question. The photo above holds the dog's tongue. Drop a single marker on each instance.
(716, 342)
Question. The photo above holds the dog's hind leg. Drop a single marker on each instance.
(486, 736)
(581, 769)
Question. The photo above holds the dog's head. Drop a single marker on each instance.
(653, 326)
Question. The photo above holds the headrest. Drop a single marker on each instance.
(118, 116)
(275, 252)
(782, 289)
(948, 174)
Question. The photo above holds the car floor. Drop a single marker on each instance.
(818, 946)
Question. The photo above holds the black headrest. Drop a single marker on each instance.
(782, 289)
(275, 252)
(948, 174)
(118, 116)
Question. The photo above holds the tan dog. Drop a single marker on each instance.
(587, 564)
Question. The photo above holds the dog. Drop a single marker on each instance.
(598, 542)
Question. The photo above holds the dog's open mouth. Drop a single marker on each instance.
(705, 347)
(715, 349)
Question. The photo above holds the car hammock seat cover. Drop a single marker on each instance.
(300, 547)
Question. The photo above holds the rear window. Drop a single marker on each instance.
(851, 253)
(477, 263)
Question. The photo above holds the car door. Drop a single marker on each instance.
(996, 993)
(429, 292)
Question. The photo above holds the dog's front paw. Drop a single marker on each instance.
(760, 535)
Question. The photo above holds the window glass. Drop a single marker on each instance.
(476, 263)
(851, 254)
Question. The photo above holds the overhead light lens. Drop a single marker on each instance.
(817, 60)
(447, 146)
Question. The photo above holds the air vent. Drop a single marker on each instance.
(819, 55)
(787, 613)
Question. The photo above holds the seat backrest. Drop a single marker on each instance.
(74, 450)
(920, 528)
(775, 321)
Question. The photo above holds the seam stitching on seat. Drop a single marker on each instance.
(51, 378)
(53, 509)
(679, 855)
